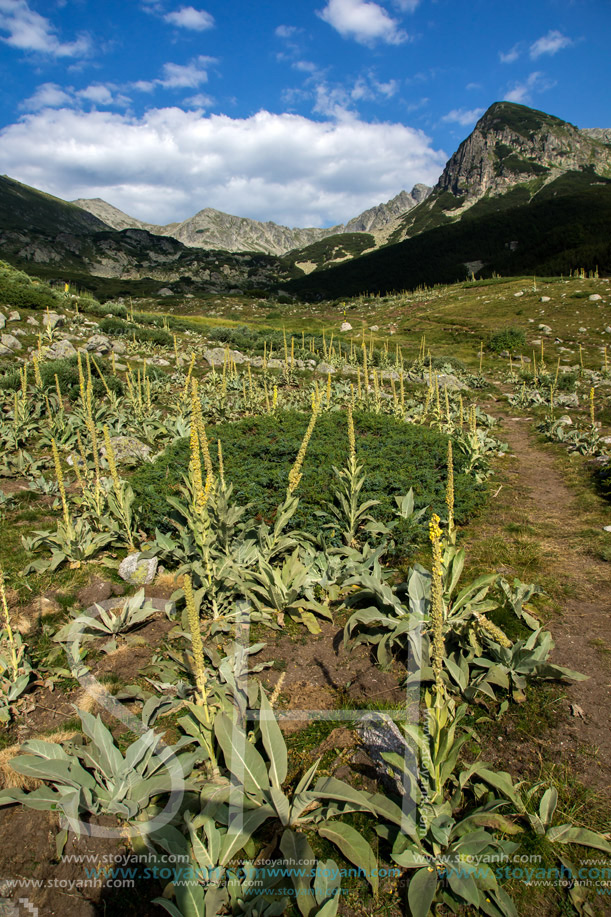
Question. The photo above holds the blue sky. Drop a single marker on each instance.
(304, 113)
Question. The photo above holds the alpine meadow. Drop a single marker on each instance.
(305, 532)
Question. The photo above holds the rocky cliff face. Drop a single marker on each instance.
(512, 144)
(213, 229)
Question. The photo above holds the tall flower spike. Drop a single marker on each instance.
(60, 481)
(437, 610)
(295, 472)
(450, 488)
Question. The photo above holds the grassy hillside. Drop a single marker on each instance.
(326, 252)
(24, 207)
(565, 226)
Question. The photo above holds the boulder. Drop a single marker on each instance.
(449, 380)
(345, 326)
(119, 346)
(2, 321)
(10, 341)
(545, 299)
(60, 350)
(32, 321)
(53, 320)
(374, 327)
(583, 330)
(325, 368)
(14, 316)
(128, 450)
(215, 356)
(5, 351)
(138, 570)
(545, 329)
(520, 293)
(98, 343)
(595, 297)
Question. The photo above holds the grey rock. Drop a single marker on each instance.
(545, 299)
(10, 341)
(53, 320)
(119, 346)
(325, 368)
(565, 420)
(374, 328)
(582, 329)
(380, 735)
(216, 356)
(138, 570)
(4, 351)
(595, 297)
(390, 374)
(545, 329)
(606, 528)
(98, 343)
(128, 450)
(165, 292)
(14, 316)
(608, 329)
(32, 321)
(60, 350)
(275, 364)
(2, 321)
(346, 326)
(451, 381)
(520, 293)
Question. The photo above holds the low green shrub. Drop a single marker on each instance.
(67, 373)
(511, 339)
(117, 328)
(258, 453)
(18, 291)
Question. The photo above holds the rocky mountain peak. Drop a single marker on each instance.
(512, 144)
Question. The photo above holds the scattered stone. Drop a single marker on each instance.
(390, 374)
(10, 341)
(2, 321)
(595, 297)
(275, 364)
(520, 293)
(138, 570)
(380, 735)
(536, 341)
(451, 381)
(98, 591)
(4, 351)
(608, 329)
(325, 368)
(531, 320)
(346, 326)
(14, 316)
(165, 292)
(60, 350)
(215, 356)
(119, 346)
(545, 329)
(100, 343)
(566, 421)
(53, 320)
(128, 450)
(545, 299)
(582, 329)
(32, 321)
(374, 328)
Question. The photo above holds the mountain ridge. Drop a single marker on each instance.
(214, 229)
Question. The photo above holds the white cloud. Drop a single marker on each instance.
(362, 20)
(472, 86)
(48, 95)
(522, 92)
(186, 76)
(187, 17)
(170, 163)
(29, 31)
(98, 93)
(510, 56)
(463, 116)
(551, 43)
(286, 31)
(407, 6)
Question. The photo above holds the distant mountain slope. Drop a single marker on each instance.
(24, 207)
(511, 146)
(213, 229)
(567, 225)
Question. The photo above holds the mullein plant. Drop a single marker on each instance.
(346, 513)
(121, 500)
(15, 669)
